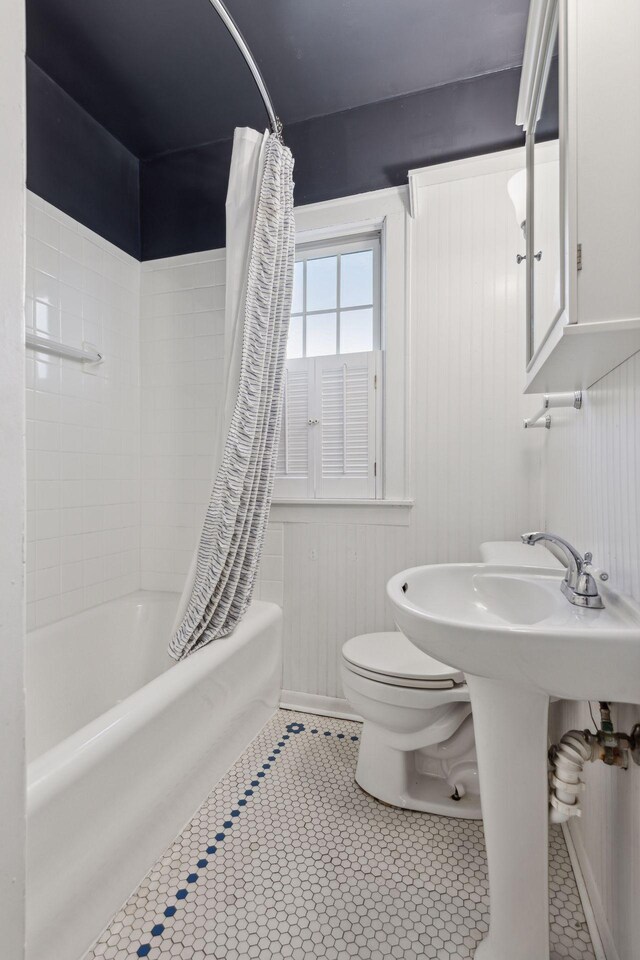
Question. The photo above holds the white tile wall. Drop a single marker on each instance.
(119, 455)
(83, 496)
(592, 490)
(182, 378)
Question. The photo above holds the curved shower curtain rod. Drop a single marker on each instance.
(243, 47)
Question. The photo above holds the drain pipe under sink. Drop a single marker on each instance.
(577, 747)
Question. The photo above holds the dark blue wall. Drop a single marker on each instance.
(174, 204)
(367, 148)
(76, 165)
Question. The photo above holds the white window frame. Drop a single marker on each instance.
(338, 248)
(385, 212)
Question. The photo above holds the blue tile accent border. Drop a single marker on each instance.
(292, 729)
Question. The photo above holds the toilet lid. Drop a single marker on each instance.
(392, 655)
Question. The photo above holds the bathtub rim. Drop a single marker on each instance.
(86, 747)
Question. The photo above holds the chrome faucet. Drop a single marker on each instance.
(578, 586)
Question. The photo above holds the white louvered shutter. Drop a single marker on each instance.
(293, 468)
(345, 404)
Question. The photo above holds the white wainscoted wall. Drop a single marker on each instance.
(592, 492)
(182, 392)
(83, 493)
(475, 472)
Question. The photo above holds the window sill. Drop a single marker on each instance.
(395, 513)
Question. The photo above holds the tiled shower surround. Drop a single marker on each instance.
(182, 383)
(119, 454)
(182, 392)
(288, 858)
(83, 492)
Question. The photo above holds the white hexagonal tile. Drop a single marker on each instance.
(288, 858)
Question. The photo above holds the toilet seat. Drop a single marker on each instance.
(392, 659)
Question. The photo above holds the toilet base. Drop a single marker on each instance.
(392, 776)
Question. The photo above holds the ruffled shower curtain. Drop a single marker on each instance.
(259, 277)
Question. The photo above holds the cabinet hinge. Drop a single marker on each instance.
(579, 257)
(375, 469)
(375, 381)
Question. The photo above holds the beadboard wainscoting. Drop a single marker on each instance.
(475, 472)
(592, 493)
(83, 431)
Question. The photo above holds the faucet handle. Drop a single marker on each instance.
(588, 562)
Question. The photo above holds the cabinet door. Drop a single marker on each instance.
(542, 112)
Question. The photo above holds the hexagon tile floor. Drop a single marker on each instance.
(288, 858)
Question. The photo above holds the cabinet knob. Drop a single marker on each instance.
(522, 256)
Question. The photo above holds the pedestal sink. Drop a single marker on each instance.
(519, 641)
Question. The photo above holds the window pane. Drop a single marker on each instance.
(321, 334)
(356, 279)
(321, 284)
(298, 292)
(356, 331)
(294, 343)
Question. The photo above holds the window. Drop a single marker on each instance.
(336, 300)
(331, 415)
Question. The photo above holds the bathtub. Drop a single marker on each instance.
(123, 746)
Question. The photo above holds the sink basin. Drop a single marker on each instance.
(518, 641)
(513, 623)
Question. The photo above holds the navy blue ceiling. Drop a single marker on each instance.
(164, 74)
(164, 80)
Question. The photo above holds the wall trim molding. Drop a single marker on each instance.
(604, 947)
(385, 195)
(483, 165)
(321, 706)
(183, 259)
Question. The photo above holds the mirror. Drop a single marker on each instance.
(538, 193)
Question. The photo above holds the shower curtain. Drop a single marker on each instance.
(259, 275)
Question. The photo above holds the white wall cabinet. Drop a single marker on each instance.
(594, 323)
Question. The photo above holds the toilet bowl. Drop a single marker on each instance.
(417, 749)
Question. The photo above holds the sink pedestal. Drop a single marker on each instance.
(515, 625)
(511, 741)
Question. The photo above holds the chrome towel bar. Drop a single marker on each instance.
(84, 354)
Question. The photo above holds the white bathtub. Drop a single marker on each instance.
(123, 746)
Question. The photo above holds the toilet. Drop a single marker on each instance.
(417, 748)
